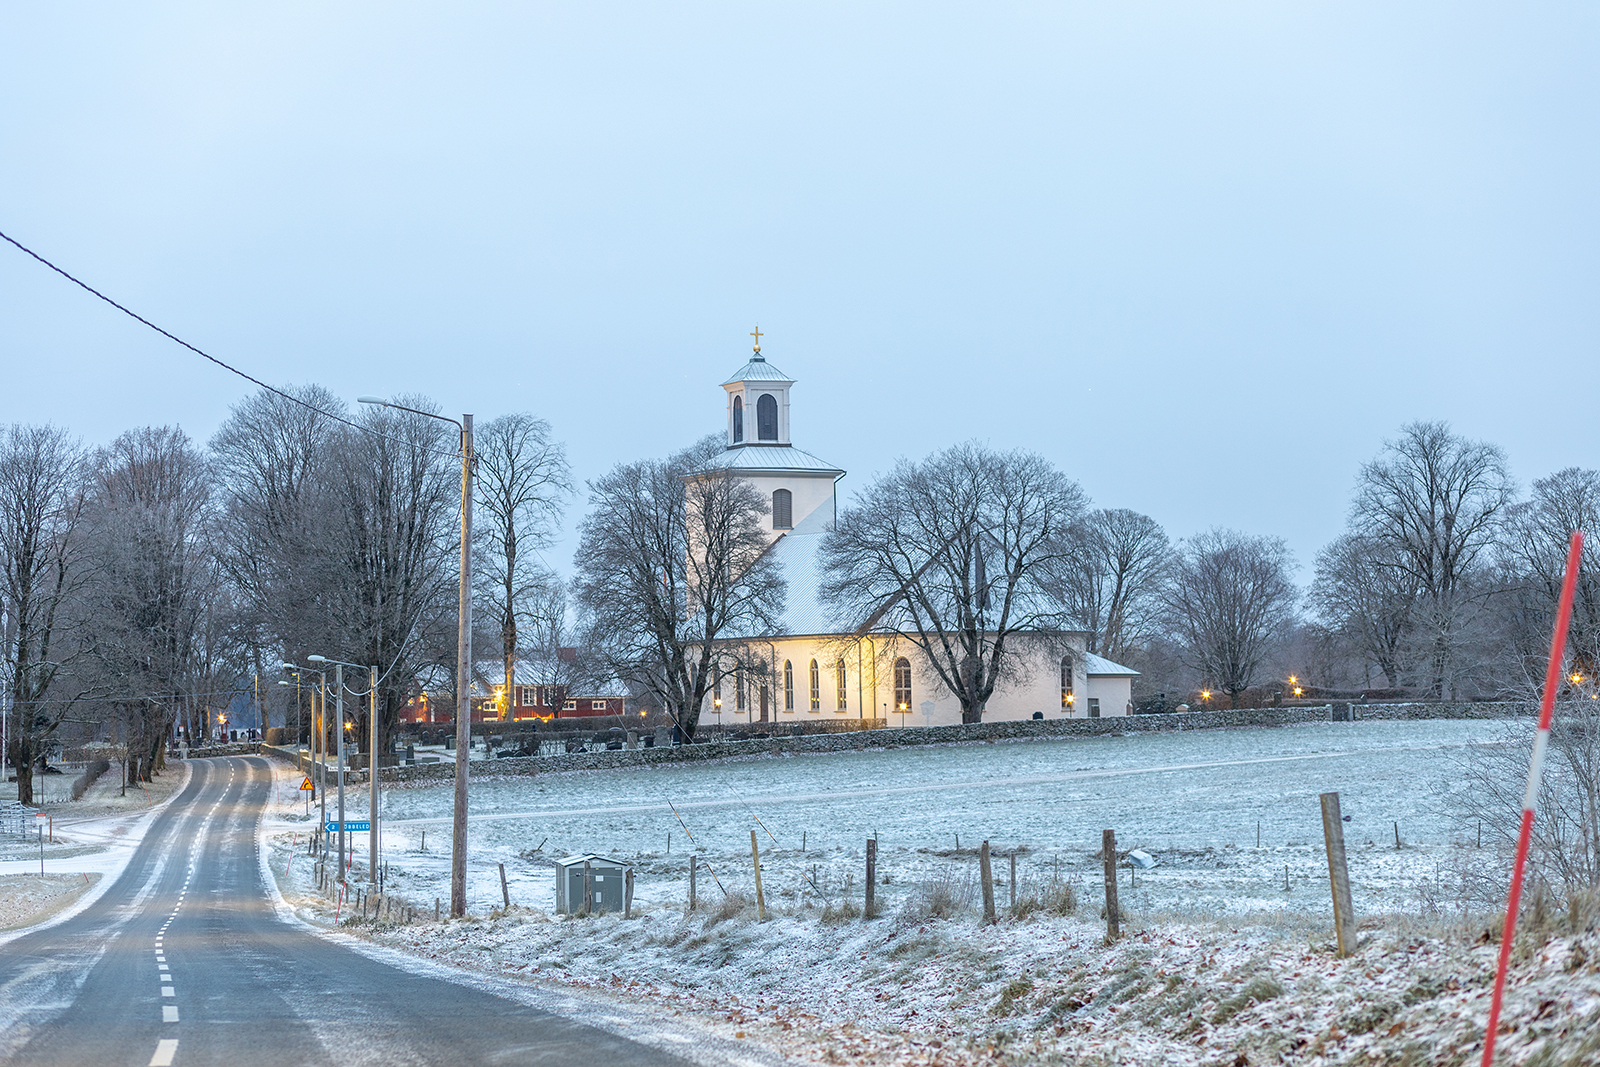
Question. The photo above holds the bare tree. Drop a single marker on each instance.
(1535, 550)
(952, 554)
(672, 562)
(41, 505)
(1432, 501)
(1364, 591)
(553, 654)
(523, 481)
(1231, 599)
(150, 522)
(1110, 577)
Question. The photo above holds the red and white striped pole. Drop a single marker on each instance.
(1547, 707)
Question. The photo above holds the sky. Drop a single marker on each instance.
(1202, 257)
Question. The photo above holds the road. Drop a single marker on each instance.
(184, 960)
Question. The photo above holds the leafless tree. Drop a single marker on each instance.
(523, 481)
(390, 497)
(150, 521)
(1365, 592)
(1432, 501)
(1110, 578)
(952, 554)
(41, 507)
(1231, 599)
(671, 563)
(552, 652)
(1534, 550)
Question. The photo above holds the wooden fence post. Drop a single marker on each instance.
(627, 893)
(1338, 874)
(505, 891)
(588, 886)
(870, 908)
(692, 861)
(1013, 879)
(987, 878)
(1108, 847)
(755, 858)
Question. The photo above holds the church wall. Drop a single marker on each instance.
(810, 493)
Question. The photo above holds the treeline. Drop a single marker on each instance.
(156, 583)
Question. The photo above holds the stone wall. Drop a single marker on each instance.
(1022, 729)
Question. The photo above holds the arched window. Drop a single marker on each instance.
(767, 418)
(738, 689)
(788, 686)
(1066, 683)
(844, 688)
(782, 509)
(738, 419)
(816, 687)
(902, 685)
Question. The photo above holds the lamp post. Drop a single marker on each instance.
(319, 739)
(458, 837)
(372, 757)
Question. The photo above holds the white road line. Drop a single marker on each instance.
(166, 991)
(161, 966)
(166, 1048)
(169, 1013)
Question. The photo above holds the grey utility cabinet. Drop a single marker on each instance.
(606, 883)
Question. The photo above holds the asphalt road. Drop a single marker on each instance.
(184, 961)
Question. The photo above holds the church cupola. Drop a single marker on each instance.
(758, 402)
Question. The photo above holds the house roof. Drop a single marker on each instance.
(758, 370)
(777, 459)
(1093, 664)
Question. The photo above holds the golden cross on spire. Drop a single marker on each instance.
(756, 333)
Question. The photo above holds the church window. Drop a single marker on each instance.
(767, 418)
(902, 684)
(788, 686)
(816, 687)
(738, 419)
(1066, 683)
(844, 688)
(782, 509)
(738, 689)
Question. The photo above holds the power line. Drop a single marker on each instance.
(86, 287)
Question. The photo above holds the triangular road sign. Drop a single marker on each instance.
(306, 784)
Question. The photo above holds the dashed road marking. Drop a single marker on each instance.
(166, 991)
(166, 1048)
(169, 1013)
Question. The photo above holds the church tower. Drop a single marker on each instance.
(798, 486)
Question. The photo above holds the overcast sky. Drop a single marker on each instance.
(1204, 257)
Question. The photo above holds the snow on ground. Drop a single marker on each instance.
(27, 898)
(1220, 964)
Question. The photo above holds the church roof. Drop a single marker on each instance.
(1093, 664)
(758, 370)
(782, 459)
(799, 557)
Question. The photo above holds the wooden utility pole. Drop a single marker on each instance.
(692, 859)
(1344, 927)
(1108, 848)
(588, 886)
(986, 876)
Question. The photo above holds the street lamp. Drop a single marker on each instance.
(458, 838)
(319, 739)
(372, 760)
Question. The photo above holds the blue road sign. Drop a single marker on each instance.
(333, 827)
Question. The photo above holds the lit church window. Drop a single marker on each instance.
(902, 685)
(816, 687)
(844, 688)
(788, 686)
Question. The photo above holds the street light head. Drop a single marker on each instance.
(372, 400)
(317, 659)
(287, 667)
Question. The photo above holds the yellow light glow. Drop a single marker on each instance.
(1205, 694)
(1576, 678)
(1293, 679)
(1070, 698)
(1298, 691)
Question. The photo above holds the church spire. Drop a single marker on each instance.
(756, 333)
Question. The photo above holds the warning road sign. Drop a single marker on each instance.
(307, 784)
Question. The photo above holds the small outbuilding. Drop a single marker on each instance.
(607, 884)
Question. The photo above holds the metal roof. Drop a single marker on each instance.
(1093, 664)
(758, 370)
(777, 458)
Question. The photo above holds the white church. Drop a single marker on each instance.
(816, 666)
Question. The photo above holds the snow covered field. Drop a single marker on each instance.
(1194, 800)
(1219, 966)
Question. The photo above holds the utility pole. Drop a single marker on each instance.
(338, 696)
(372, 779)
(458, 838)
(458, 844)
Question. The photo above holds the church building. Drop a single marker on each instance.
(815, 665)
